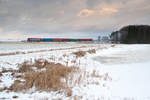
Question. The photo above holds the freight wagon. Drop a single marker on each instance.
(34, 39)
(46, 39)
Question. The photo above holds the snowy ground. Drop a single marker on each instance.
(129, 66)
(113, 73)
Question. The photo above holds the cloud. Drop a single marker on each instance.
(62, 17)
(85, 13)
(105, 11)
(12, 35)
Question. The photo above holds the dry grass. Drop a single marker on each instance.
(5, 88)
(49, 79)
(15, 97)
(107, 77)
(48, 76)
(91, 51)
(68, 92)
(80, 53)
(40, 63)
(83, 53)
(27, 66)
(18, 76)
(95, 74)
(78, 80)
(24, 67)
(1, 74)
(7, 70)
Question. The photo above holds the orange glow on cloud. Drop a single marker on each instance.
(85, 13)
(108, 11)
(103, 11)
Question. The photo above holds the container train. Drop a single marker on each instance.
(57, 40)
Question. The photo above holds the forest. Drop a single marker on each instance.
(132, 34)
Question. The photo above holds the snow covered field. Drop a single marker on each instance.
(129, 66)
(27, 46)
(119, 72)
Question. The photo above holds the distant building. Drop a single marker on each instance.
(99, 38)
(105, 39)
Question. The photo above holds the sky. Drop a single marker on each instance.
(20, 19)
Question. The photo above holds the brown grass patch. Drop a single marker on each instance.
(15, 97)
(83, 53)
(27, 66)
(49, 79)
(16, 86)
(80, 53)
(1, 74)
(24, 67)
(91, 51)
(19, 76)
(69, 92)
(5, 88)
(5, 70)
(95, 74)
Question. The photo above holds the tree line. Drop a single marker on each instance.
(132, 34)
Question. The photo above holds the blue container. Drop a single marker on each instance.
(46, 39)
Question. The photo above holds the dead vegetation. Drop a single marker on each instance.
(50, 79)
(24, 67)
(83, 53)
(91, 51)
(1, 74)
(7, 70)
(95, 74)
(15, 97)
(80, 53)
(68, 92)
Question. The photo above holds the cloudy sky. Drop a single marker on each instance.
(69, 18)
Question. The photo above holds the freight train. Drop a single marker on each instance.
(57, 40)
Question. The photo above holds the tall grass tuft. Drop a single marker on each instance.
(48, 76)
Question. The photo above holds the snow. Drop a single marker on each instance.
(124, 71)
(130, 75)
(135, 83)
(9, 47)
(7, 80)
